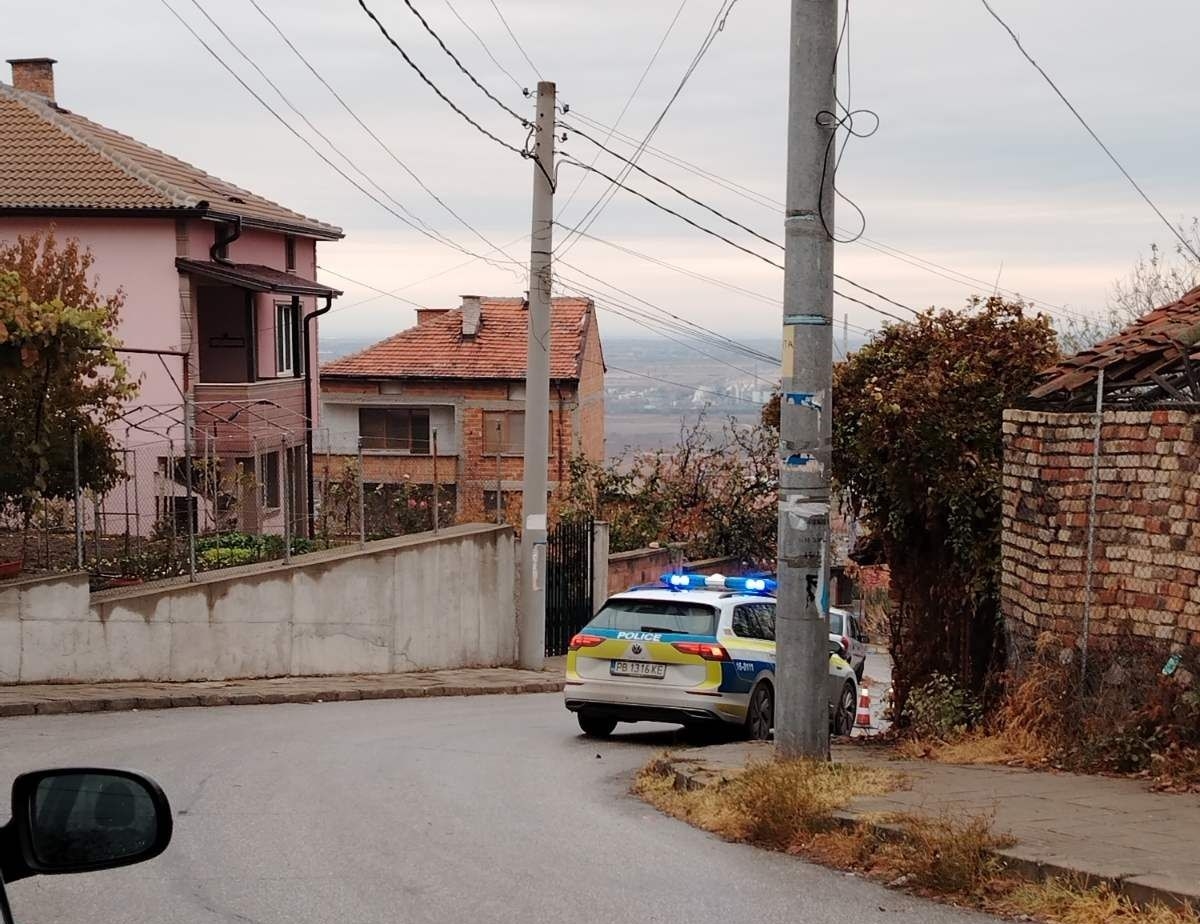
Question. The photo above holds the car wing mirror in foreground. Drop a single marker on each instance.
(81, 820)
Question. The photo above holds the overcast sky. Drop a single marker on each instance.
(976, 166)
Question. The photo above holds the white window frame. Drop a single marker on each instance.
(287, 319)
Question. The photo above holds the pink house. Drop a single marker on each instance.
(221, 297)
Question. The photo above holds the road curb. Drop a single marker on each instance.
(1142, 889)
(96, 701)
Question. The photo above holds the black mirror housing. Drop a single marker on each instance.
(83, 819)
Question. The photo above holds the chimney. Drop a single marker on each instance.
(472, 309)
(34, 75)
(425, 315)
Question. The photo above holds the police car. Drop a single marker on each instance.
(691, 649)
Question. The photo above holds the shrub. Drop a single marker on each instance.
(217, 557)
(941, 709)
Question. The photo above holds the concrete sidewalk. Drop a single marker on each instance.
(1144, 843)
(59, 698)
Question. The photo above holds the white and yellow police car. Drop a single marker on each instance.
(692, 649)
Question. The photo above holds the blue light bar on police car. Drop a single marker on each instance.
(750, 585)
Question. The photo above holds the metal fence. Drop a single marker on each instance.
(204, 488)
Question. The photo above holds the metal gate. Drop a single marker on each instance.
(568, 582)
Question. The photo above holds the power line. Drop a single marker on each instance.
(512, 35)
(724, 217)
(629, 99)
(666, 319)
(462, 67)
(365, 127)
(617, 184)
(654, 327)
(282, 121)
(482, 44)
(662, 381)
(775, 206)
(416, 282)
(283, 96)
(721, 283)
(593, 213)
(420, 73)
(1075, 112)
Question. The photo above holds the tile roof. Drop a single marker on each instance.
(1153, 346)
(437, 348)
(54, 160)
(255, 276)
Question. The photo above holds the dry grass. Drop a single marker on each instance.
(780, 805)
(1063, 902)
(790, 806)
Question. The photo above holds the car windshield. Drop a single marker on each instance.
(837, 622)
(657, 616)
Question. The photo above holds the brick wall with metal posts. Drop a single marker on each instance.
(1146, 560)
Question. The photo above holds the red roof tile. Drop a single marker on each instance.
(53, 159)
(1152, 346)
(437, 348)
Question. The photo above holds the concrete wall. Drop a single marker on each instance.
(413, 603)
(1147, 527)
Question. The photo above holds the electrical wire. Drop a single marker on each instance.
(316, 130)
(724, 217)
(1075, 112)
(617, 184)
(300, 136)
(776, 206)
(664, 319)
(512, 35)
(601, 302)
(629, 99)
(487, 51)
(462, 67)
(444, 98)
(593, 213)
(365, 127)
(416, 282)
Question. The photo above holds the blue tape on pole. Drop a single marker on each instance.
(802, 399)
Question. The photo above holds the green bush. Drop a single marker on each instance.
(226, 557)
(941, 709)
(228, 541)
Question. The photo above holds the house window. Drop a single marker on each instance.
(289, 253)
(269, 475)
(404, 429)
(288, 360)
(503, 432)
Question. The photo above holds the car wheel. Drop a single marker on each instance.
(760, 715)
(596, 726)
(847, 709)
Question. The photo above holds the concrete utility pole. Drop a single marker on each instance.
(532, 628)
(806, 411)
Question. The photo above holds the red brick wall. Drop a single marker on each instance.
(1147, 530)
(473, 470)
(591, 396)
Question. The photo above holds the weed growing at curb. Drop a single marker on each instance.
(792, 806)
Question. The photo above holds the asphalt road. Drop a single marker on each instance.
(485, 809)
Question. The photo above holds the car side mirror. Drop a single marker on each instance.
(85, 819)
(835, 648)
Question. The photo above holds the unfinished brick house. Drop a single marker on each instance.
(458, 377)
(1144, 572)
